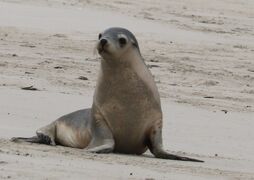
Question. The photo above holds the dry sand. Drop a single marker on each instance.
(201, 54)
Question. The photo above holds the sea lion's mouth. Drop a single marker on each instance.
(102, 50)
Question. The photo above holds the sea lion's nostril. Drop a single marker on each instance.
(103, 42)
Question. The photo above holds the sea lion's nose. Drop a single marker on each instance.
(103, 42)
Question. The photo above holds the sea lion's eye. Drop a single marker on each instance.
(99, 36)
(122, 41)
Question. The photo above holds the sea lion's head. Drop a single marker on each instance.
(114, 43)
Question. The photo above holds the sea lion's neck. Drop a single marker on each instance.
(129, 64)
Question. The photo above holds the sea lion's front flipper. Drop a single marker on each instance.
(106, 147)
(103, 141)
(156, 148)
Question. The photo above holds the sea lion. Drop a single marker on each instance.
(126, 115)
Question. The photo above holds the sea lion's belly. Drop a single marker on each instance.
(130, 122)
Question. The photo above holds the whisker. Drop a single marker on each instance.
(95, 52)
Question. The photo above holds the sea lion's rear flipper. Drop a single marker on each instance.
(45, 135)
(155, 146)
(33, 139)
(40, 139)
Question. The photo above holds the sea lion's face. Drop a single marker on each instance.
(113, 43)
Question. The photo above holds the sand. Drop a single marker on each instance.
(200, 53)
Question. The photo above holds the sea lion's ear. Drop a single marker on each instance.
(134, 43)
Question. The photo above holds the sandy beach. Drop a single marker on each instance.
(200, 53)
